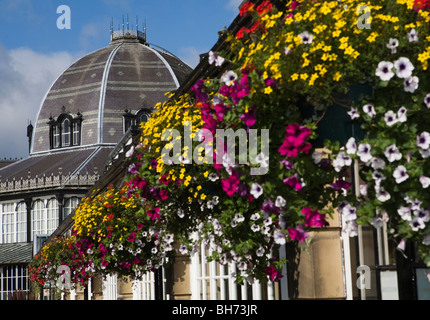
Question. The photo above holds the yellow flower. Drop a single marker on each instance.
(294, 76)
(304, 76)
(268, 90)
(337, 76)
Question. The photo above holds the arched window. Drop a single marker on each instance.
(51, 216)
(65, 131)
(70, 206)
(134, 120)
(39, 217)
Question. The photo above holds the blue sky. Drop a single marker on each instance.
(33, 51)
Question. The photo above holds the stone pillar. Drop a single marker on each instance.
(315, 269)
(125, 289)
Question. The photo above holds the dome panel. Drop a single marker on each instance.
(99, 87)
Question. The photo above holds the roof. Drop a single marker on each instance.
(79, 167)
(127, 74)
(16, 253)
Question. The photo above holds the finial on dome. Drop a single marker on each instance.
(124, 33)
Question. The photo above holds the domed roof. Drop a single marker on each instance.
(94, 92)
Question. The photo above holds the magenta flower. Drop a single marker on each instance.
(249, 117)
(298, 234)
(220, 111)
(231, 185)
(273, 274)
(294, 182)
(340, 184)
(131, 237)
(154, 214)
(313, 218)
(290, 147)
(198, 89)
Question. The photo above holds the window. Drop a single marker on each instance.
(134, 120)
(13, 279)
(70, 206)
(52, 215)
(21, 222)
(8, 224)
(13, 222)
(39, 218)
(65, 131)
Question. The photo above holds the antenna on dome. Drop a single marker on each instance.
(126, 33)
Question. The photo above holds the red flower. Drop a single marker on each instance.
(264, 7)
(241, 33)
(421, 5)
(246, 8)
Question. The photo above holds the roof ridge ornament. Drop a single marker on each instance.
(124, 33)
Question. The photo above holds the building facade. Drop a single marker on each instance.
(87, 112)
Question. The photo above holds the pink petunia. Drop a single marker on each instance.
(298, 234)
(294, 182)
(313, 218)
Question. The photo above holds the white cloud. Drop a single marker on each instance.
(190, 55)
(25, 77)
(233, 5)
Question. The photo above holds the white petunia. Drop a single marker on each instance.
(229, 77)
(392, 45)
(215, 58)
(280, 202)
(369, 109)
(353, 113)
(411, 84)
(256, 190)
(317, 156)
(426, 242)
(423, 140)
(404, 67)
(263, 160)
(413, 35)
(401, 114)
(363, 189)
(400, 174)
(255, 227)
(349, 212)
(306, 37)
(255, 216)
(350, 228)
(405, 213)
(341, 160)
(422, 214)
(382, 195)
(417, 224)
(385, 70)
(377, 163)
(392, 153)
(279, 237)
(213, 177)
(425, 182)
(390, 118)
(427, 100)
(351, 146)
(364, 152)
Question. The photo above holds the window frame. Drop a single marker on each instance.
(65, 132)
